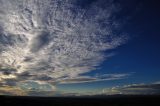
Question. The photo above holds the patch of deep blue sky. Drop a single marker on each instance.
(141, 54)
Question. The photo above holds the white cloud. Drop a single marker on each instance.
(134, 89)
(55, 39)
(83, 79)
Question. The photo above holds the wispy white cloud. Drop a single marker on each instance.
(55, 41)
(83, 79)
(134, 89)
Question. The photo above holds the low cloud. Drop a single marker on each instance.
(134, 89)
(10, 90)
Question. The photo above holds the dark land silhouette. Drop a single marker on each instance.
(101, 100)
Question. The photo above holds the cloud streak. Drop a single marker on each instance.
(83, 79)
(55, 41)
(134, 89)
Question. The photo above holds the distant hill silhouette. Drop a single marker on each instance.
(116, 100)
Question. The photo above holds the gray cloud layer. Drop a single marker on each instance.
(49, 40)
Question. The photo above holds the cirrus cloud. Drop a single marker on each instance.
(55, 41)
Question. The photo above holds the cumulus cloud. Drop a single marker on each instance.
(8, 90)
(55, 41)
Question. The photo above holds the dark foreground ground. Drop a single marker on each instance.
(118, 100)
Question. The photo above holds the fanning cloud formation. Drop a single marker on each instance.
(54, 41)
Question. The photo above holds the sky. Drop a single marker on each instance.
(79, 47)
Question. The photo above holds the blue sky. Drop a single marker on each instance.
(79, 47)
(140, 55)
